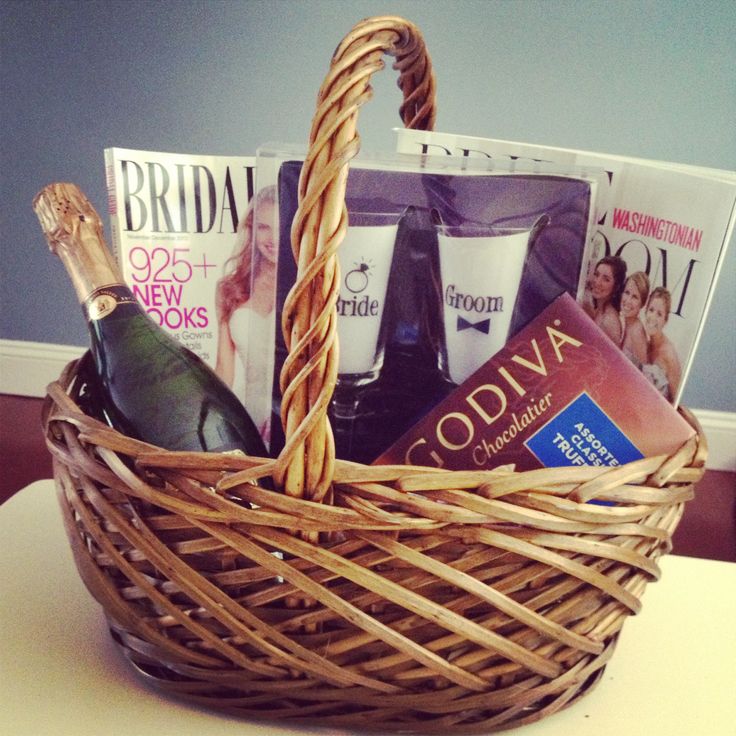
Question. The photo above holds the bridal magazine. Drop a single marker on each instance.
(181, 229)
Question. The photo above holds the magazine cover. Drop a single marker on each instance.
(559, 394)
(659, 242)
(181, 228)
(417, 310)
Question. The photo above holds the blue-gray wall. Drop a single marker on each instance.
(651, 79)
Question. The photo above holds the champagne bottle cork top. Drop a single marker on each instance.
(61, 208)
(74, 233)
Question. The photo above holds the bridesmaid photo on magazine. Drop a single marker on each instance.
(663, 367)
(604, 302)
(615, 302)
(634, 342)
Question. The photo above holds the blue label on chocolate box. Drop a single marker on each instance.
(582, 434)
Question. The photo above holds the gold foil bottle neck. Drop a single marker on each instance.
(62, 208)
(74, 232)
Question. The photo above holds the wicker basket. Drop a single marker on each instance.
(392, 598)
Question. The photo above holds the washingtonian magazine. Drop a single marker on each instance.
(181, 228)
(653, 260)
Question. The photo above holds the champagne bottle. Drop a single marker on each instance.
(152, 388)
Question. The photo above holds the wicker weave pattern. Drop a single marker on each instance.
(448, 602)
(390, 598)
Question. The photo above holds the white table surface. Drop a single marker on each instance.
(674, 671)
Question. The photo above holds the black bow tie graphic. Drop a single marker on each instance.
(483, 326)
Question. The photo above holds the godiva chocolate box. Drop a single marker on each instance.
(559, 393)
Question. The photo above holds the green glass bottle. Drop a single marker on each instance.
(153, 388)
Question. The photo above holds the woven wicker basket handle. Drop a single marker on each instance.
(306, 464)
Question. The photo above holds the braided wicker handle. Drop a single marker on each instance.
(309, 374)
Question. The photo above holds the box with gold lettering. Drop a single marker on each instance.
(560, 393)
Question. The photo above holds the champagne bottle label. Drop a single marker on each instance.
(103, 301)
